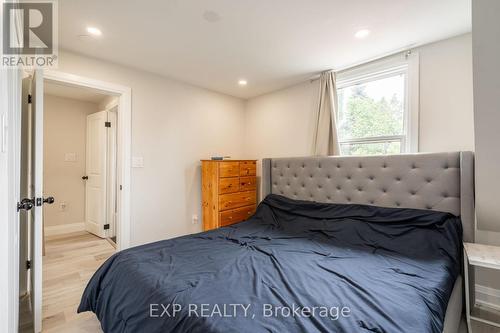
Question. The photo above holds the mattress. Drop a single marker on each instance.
(295, 266)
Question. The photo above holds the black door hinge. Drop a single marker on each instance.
(107, 124)
(29, 98)
(106, 226)
(28, 264)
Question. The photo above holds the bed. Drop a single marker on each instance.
(368, 244)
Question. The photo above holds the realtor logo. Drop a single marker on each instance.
(29, 34)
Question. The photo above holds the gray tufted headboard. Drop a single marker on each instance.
(437, 181)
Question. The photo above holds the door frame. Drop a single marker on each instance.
(10, 154)
(123, 159)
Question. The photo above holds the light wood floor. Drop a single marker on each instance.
(69, 262)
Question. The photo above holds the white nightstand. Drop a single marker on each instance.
(481, 256)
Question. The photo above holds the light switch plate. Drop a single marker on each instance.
(137, 162)
(70, 157)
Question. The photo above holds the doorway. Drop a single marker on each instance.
(75, 151)
(80, 127)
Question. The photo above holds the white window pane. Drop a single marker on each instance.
(371, 148)
(371, 109)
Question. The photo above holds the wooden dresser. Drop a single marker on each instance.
(228, 191)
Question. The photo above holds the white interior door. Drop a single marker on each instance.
(96, 167)
(37, 184)
(33, 202)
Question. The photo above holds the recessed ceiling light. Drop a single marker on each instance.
(363, 33)
(242, 82)
(94, 31)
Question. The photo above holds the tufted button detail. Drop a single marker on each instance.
(319, 187)
(303, 166)
(349, 177)
(384, 190)
(413, 192)
(319, 166)
(338, 166)
(428, 206)
(338, 187)
(429, 180)
(360, 189)
(372, 178)
(445, 195)
(372, 202)
(384, 165)
(397, 204)
(328, 176)
(398, 179)
(360, 166)
(348, 199)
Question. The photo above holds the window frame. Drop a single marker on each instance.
(406, 64)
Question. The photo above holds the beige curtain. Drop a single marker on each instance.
(325, 134)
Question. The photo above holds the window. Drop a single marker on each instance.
(374, 115)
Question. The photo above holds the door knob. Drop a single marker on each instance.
(25, 204)
(85, 177)
(49, 200)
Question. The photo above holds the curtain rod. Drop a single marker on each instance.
(406, 51)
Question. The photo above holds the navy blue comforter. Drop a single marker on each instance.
(294, 266)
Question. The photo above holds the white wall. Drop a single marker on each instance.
(281, 123)
(65, 126)
(446, 117)
(486, 30)
(486, 52)
(174, 125)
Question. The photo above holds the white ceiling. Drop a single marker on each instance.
(271, 43)
(78, 93)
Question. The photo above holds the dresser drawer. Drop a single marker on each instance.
(236, 215)
(235, 200)
(229, 169)
(248, 183)
(229, 185)
(248, 168)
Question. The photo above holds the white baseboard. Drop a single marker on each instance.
(54, 230)
(488, 297)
